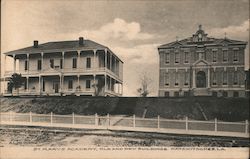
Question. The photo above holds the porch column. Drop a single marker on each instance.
(208, 78)
(120, 70)
(78, 59)
(122, 89)
(63, 60)
(110, 61)
(27, 83)
(28, 62)
(117, 89)
(39, 84)
(94, 62)
(60, 76)
(94, 79)
(14, 57)
(194, 83)
(78, 80)
(110, 82)
(42, 61)
(95, 86)
(105, 58)
(105, 83)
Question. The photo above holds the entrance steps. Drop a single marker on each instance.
(202, 92)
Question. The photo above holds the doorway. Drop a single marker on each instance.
(56, 86)
(201, 79)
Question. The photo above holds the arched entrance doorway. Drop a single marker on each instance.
(201, 79)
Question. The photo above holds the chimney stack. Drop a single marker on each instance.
(35, 44)
(81, 41)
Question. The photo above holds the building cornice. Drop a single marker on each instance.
(204, 46)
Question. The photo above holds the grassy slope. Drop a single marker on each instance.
(227, 109)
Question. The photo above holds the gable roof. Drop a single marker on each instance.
(172, 44)
(214, 41)
(59, 46)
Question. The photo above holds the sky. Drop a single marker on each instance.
(131, 29)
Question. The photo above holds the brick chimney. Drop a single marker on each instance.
(35, 44)
(81, 41)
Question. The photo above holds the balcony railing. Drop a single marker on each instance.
(64, 71)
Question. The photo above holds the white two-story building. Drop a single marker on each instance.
(80, 67)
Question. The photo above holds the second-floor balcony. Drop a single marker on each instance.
(67, 72)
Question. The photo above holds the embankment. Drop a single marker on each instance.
(199, 108)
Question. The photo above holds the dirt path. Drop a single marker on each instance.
(21, 136)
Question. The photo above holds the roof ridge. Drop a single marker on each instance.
(51, 45)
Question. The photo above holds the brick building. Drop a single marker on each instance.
(202, 66)
(78, 67)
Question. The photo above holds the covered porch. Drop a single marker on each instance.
(60, 85)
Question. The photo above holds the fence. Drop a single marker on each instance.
(133, 123)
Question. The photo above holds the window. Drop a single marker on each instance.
(166, 78)
(26, 65)
(214, 94)
(166, 94)
(235, 77)
(61, 63)
(186, 78)
(88, 84)
(214, 56)
(88, 62)
(177, 57)
(236, 55)
(51, 63)
(214, 78)
(186, 94)
(176, 79)
(176, 94)
(74, 63)
(186, 57)
(224, 78)
(225, 56)
(201, 55)
(236, 94)
(196, 54)
(224, 94)
(70, 84)
(247, 94)
(167, 58)
(39, 64)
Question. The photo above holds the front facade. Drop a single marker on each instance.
(202, 66)
(81, 67)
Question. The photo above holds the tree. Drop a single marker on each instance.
(99, 86)
(145, 82)
(16, 81)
